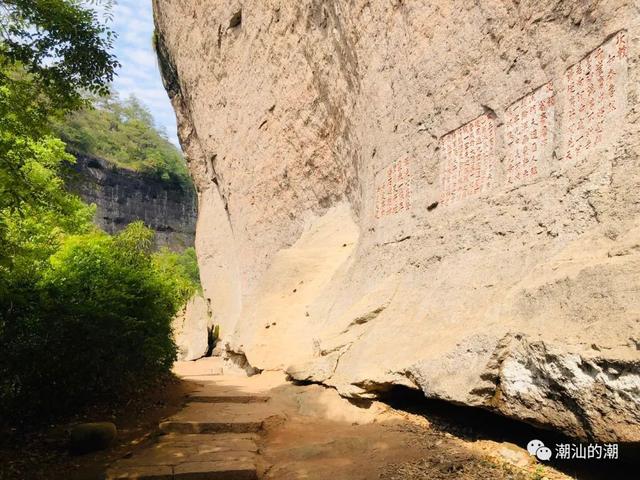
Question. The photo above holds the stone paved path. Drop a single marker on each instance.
(235, 427)
(214, 437)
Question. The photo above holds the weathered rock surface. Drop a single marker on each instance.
(124, 196)
(191, 329)
(441, 195)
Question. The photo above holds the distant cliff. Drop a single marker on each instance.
(123, 196)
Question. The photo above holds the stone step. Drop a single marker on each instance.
(218, 392)
(210, 427)
(205, 367)
(219, 418)
(218, 470)
(141, 472)
(223, 470)
(224, 398)
(192, 457)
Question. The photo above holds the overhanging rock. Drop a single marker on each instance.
(441, 195)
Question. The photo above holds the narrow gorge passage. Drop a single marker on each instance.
(320, 239)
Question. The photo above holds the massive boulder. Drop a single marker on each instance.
(440, 195)
(191, 329)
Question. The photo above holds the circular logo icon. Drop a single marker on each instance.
(543, 453)
(533, 446)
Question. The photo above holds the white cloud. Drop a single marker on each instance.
(139, 74)
(140, 59)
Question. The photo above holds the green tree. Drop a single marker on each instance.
(102, 324)
(35, 209)
(123, 132)
(51, 51)
(83, 315)
(182, 268)
(64, 44)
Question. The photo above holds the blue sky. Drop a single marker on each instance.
(139, 74)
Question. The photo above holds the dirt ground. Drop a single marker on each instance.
(328, 450)
(320, 436)
(313, 435)
(42, 453)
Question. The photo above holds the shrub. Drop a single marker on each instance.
(185, 263)
(95, 324)
(83, 316)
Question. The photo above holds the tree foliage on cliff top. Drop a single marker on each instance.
(123, 132)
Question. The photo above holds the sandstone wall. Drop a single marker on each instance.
(124, 196)
(442, 195)
(191, 329)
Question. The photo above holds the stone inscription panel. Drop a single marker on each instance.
(529, 135)
(595, 97)
(469, 160)
(393, 189)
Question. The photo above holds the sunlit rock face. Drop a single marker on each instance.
(191, 328)
(124, 196)
(442, 195)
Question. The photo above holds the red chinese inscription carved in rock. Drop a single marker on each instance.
(529, 134)
(594, 96)
(469, 160)
(393, 189)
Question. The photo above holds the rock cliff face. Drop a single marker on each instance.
(123, 196)
(442, 195)
(191, 329)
